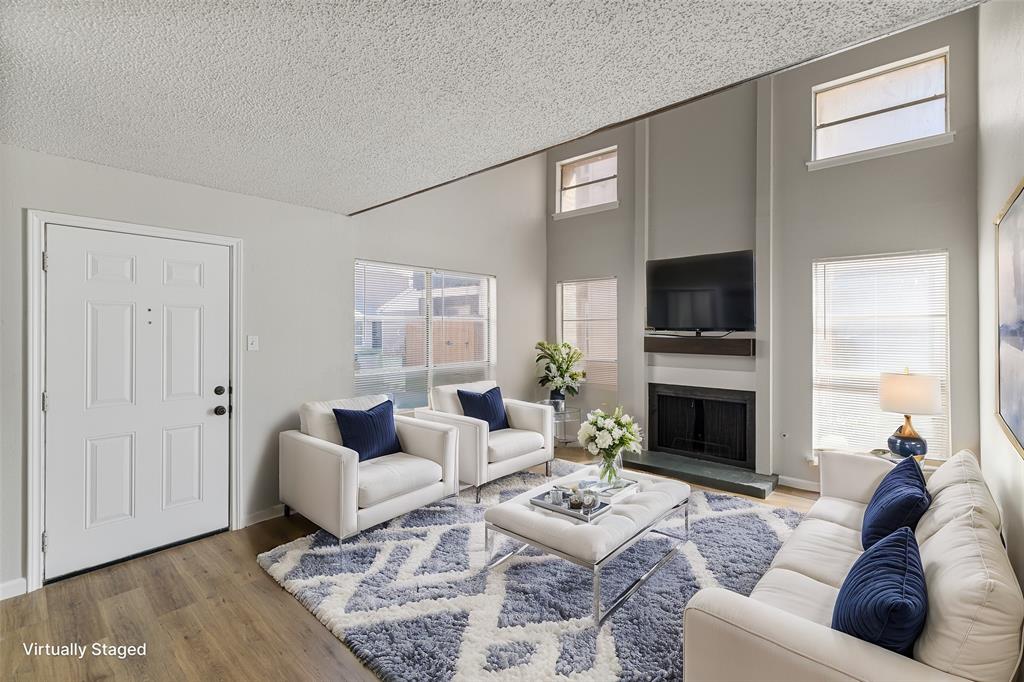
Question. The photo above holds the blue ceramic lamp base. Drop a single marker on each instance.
(907, 442)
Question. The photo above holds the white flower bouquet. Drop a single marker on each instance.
(608, 435)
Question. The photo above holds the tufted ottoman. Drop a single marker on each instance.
(592, 544)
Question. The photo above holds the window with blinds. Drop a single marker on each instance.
(588, 180)
(888, 105)
(588, 319)
(871, 315)
(416, 328)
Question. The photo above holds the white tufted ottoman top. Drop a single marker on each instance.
(593, 541)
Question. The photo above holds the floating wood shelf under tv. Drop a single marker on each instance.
(699, 345)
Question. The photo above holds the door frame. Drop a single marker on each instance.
(36, 359)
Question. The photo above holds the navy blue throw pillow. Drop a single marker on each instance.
(883, 599)
(900, 500)
(487, 406)
(370, 432)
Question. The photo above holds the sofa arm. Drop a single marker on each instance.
(472, 443)
(320, 480)
(730, 637)
(433, 441)
(532, 417)
(851, 477)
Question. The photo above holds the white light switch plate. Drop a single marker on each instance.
(253, 343)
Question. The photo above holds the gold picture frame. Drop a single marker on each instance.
(1009, 247)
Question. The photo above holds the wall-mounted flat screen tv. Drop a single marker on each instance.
(711, 292)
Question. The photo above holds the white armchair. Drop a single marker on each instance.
(484, 455)
(324, 481)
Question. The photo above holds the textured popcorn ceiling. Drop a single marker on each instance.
(343, 106)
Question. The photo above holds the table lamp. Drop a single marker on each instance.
(909, 394)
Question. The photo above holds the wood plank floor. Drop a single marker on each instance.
(205, 610)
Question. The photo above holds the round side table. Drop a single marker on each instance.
(567, 421)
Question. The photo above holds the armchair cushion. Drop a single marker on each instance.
(316, 417)
(883, 599)
(487, 406)
(900, 500)
(370, 432)
(509, 443)
(382, 478)
(446, 398)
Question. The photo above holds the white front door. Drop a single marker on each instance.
(136, 373)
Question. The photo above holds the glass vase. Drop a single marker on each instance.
(611, 466)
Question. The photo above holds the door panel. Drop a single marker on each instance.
(136, 340)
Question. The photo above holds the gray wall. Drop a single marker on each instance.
(599, 245)
(1000, 168)
(298, 287)
(924, 199)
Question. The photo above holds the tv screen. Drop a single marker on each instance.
(713, 292)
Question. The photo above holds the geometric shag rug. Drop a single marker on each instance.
(411, 600)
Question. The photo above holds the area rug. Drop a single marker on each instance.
(412, 601)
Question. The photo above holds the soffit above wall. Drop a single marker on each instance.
(345, 106)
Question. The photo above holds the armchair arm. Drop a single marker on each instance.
(532, 417)
(433, 441)
(731, 637)
(851, 477)
(320, 480)
(472, 443)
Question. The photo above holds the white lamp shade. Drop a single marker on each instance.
(909, 393)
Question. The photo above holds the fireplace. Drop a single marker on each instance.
(712, 424)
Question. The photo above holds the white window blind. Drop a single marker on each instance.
(888, 105)
(589, 320)
(405, 346)
(872, 315)
(589, 180)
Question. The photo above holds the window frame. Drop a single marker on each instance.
(884, 150)
(947, 414)
(608, 205)
(491, 320)
(560, 322)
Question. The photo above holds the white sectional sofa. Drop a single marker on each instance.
(782, 631)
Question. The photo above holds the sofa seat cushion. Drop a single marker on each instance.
(509, 443)
(956, 500)
(899, 500)
(975, 607)
(883, 599)
(821, 550)
(383, 478)
(846, 513)
(797, 594)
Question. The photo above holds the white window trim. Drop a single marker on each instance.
(596, 208)
(492, 325)
(881, 152)
(559, 214)
(887, 150)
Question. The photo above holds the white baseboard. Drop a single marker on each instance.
(263, 515)
(13, 588)
(801, 483)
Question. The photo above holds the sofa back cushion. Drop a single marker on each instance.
(956, 500)
(975, 606)
(446, 398)
(899, 500)
(962, 467)
(316, 418)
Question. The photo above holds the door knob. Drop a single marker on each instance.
(219, 390)
(220, 410)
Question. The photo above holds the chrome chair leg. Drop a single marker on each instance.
(478, 494)
(547, 468)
